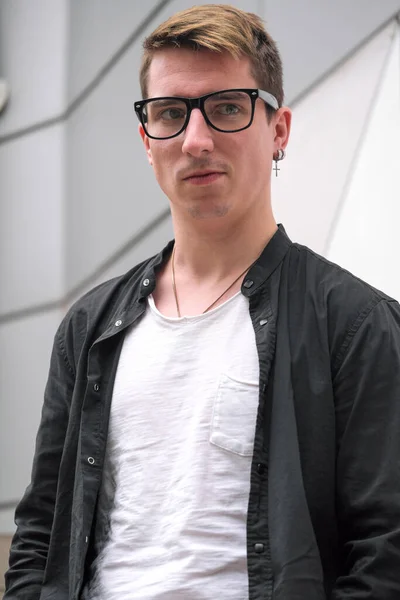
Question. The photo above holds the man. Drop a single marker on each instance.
(223, 420)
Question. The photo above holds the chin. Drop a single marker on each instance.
(202, 212)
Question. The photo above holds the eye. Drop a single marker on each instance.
(171, 114)
(227, 109)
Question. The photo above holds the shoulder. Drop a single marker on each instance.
(329, 279)
(109, 293)
(339, 301)
(90, 315)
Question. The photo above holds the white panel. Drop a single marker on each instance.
(327, 128)
(366, 239)
(31, 213)
(25, 353)
(112, 192)
(33, 51)
(7, 525)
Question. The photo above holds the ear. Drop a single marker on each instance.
(283, 122)
(146, 143)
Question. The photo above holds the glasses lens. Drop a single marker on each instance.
(164, 117)
(229, 110)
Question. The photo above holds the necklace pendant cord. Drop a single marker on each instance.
(215, 301)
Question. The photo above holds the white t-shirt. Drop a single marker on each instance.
(177, 472)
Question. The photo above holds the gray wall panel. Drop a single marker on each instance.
(151, 245)
(7, 524)
(177, 5)
(33, 51)
(24, 366)
(314, 35)
(31, 219)
(111, 192)
(98, 28)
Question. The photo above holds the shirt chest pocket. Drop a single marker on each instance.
(234, 416)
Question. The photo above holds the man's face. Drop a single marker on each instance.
(239, 164)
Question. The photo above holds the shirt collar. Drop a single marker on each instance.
(268, 261)
(270, 258)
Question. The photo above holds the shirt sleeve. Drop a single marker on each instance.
(34, 514)
(367, 397)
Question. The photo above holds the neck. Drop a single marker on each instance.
(205, 253)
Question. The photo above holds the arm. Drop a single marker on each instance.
(367, 395)
(34, 514)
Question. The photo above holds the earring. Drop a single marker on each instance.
(280, 155)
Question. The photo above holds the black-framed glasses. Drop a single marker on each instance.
(227, 111)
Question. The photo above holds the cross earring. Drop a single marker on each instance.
(280, 155)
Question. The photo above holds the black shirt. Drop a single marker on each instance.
(324, 510)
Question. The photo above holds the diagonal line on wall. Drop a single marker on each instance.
(329, 72)
(109, 262)
(359, 147)
(88, 281)
(31, 311)
(8, 505)
(93, 84)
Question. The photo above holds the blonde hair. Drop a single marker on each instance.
(219, 28)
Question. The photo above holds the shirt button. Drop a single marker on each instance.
(90, 460)
(263, 322)
(260, 468)
(259, 548)
(96, 387)
(146, 282)
(248, 283)
(118, 323)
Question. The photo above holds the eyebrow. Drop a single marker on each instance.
(229, 95)
(165, 101)
(168, 100)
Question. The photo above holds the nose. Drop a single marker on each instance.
(197, 135)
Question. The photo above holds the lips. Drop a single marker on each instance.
(202, 174)
(203, 178)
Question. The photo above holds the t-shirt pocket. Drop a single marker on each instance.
(234, 416)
